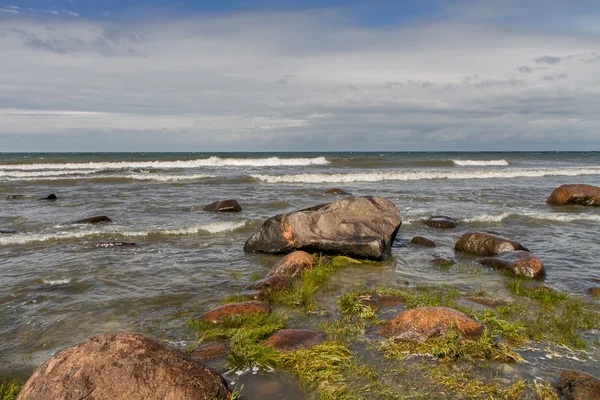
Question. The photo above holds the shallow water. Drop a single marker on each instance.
(57, 289)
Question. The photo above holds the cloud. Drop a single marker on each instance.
(312, 80)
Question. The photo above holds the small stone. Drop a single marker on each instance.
(228, 311)
(230, 205)
(520, 263)
(294, 264)
(210, 350)
(294, 339)
(440, 222)
(575, 385)
(420, 240)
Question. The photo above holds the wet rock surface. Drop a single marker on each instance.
(442, 261)
(379, 301)
(575, 385)
(486, 244)
(211, 350)
(272, 283)
(421, 241)
(100, 219)
(585, 195)
(294, 339)
(230, 205)
(420, 324)
(123, 366)
(440, 222)
(361, 227)
(520, 263)
(228, 311)
(293, 264)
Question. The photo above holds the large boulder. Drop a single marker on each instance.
(224, 206)
(361, 227)
(420, 324)
(585, 195)
(123, 366)
(486, 244)
(294, 264)
(521, 263)
(575, 385)
(233, 310)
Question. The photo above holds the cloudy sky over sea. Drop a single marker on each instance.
(183, 75)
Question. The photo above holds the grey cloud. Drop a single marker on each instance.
(524, 69)
(471, 78)
(488, 83)
(555, 77)
(592, 59)
(548, 60)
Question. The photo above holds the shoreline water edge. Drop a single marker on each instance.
(348, 275)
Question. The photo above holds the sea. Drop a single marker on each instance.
(57, 289)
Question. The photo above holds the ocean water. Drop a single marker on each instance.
(57, 289)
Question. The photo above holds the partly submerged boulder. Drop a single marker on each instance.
(440, 222)
(100, 219)
(51, 196)
(338, 191)
(7, 232)
(419, 324)
(124, 366)
(519, 262)
(224, 206)
(486, 244)
(442, 261)
(420, 240)
(228, 311)
(575, 385)
(585, 195)
(362, 227)
(294, 339)
(293, 264)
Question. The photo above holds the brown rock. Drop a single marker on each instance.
(419, 324)
(360, 227)
(260, 295)
(521, 263)
(272, 283)
(585, 195)
(228, 311)
(595, 291)
(123, 366)
(294, 264)
(486, 244)
(210, 350)
(93, 220)
(420, 240)
(224, 206)
(379, 301)
(442, 261)
(338, 192)
(440, 222)
(575, 385)
(294, 339)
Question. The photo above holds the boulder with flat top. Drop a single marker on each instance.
(360, 227)
(519, 262)
(486, 244)
(585, 195)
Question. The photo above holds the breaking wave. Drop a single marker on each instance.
(481, 162)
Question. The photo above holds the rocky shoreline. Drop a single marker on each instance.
(318, 242)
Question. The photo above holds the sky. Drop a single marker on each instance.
(330, 75)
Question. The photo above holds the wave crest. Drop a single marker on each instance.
(465, 163)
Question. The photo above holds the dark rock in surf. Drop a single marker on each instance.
(361, 227)
(485, 244)
(337, 191)
(294, 339)
(100, 219)
(49, 197)
(421, 241)
(7, 232)
(294, 264)
(229, 311)
(440, 222)
(124, 365)
(519, 262)
(224, 206)
(114, 244)
(585, 195)
(211, 350)
(575, 385)
(442, 261)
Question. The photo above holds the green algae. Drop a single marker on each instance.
(10, 389)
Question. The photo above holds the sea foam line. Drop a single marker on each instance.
(481, 162)
(27, 174)
(203, 162)
(423, 175)
(554, 217)
(210, 228)
(139, 177)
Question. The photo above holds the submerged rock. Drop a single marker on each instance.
(442, 261)
(212, 349)
(294, 264)
(420, 240)
(224, 206)
(124, 366)
(228, 311)
(486, 244)
(272, 283)
(575, 385)
(294, 339)
(362, 227)
(440, 222)
(49, 197)
(519, 262)
(15, 196)
(338, 192)
(485, 301)
(114, 244)
(420, 324)
(7, 232)
(585, 195)
(379, 301)
(100, 219)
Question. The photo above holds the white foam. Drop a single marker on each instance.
(26, 174)
(555, 217)
(203, 162)
(143, 176)
(481, 162)
(56, 282)
(425, 175)
(489, 218)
